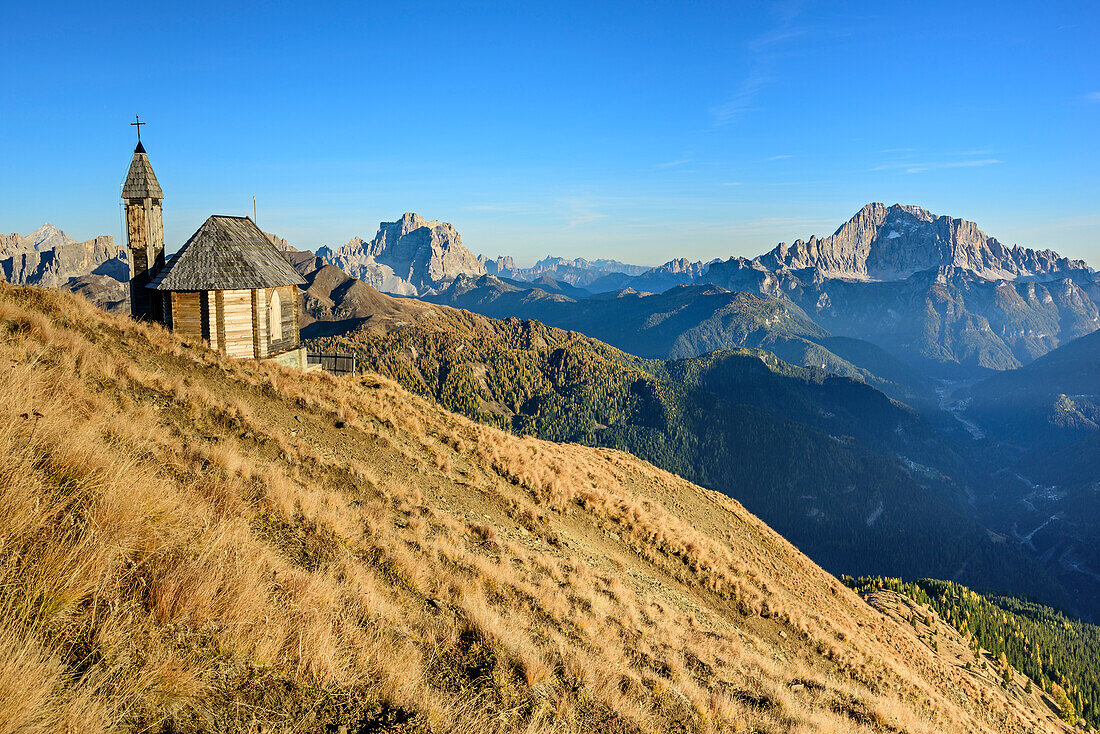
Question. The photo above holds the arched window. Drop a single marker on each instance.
(275, 317)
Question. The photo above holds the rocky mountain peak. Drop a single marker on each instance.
(888, 243)
(681, 265)
(410, 256)
(43, 239)
(411, 221)
(502, 265)
(48, 237)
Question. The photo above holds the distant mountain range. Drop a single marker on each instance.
(689, 321)
(97, 268)
(893, 243)
(921, 296)
(577, 272)
(933, 291)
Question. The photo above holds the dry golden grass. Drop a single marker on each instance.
(193, 544)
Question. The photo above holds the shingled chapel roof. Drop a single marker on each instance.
(141, 182)
(226, 253)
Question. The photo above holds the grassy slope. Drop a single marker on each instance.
(197, 544)
(810, 453)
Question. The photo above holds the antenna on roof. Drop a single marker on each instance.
(122, 220)
(254, 211)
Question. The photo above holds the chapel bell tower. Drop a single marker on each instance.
(142, 195)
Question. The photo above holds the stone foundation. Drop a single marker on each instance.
(295, 358)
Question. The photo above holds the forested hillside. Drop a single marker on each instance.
(1060, 653)
(815, 455)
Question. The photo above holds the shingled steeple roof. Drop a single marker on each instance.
(141, 182)
(226, 253)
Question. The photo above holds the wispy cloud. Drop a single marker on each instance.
(791, 183)
(673, 164)
(743, 100)
(912, 167)
(783, 157)
(579, 211)
(763, 52)
(952, 164)
(910, 160)
(1092, 97)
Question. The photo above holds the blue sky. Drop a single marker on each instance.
(639, 131)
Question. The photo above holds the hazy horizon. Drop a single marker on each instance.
(528, 261)
(634, 133)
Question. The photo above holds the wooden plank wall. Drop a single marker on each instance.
(156, 234)
(210, 317)
(219, 319)
(237, 321)
(187, 314)
(166, 307)
(259, 320)
(135, 235)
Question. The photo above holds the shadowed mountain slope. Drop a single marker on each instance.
(1045, 417)
(1053, 400)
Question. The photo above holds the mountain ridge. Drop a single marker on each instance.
(46, 237)
(97, 268)
(930, 289)
(684, 321)
(916, 240)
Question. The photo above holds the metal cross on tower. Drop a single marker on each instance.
(138, 123)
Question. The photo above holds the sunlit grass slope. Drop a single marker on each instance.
(192, 544)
